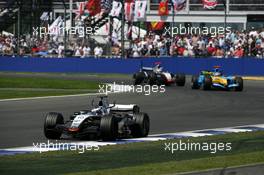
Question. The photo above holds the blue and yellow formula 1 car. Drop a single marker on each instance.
(216, 80)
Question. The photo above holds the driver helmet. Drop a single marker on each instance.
(217, 74)
(100, 104)
(158, 68)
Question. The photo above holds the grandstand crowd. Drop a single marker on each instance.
(236, 44)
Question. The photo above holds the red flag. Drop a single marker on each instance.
(94, 7)
(209, 4)
(129, 6)
(163, 8)
(157, 25)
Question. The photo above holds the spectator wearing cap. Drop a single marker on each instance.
(239, 52)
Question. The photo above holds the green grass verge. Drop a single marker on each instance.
(52, 83)
(139, 158)
(9, 94)
(103, 75)
(19, 87)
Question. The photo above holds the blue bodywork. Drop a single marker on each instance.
(219, 81)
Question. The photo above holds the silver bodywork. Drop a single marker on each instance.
(102, 110)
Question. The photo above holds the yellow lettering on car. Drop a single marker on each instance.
(219, 80)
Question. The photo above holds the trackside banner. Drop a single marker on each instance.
(191, 66)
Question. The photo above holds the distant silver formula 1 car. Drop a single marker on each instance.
(156, 76)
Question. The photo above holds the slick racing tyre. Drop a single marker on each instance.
(152, 79)
(162, 80)
(51, 121)
(138, 78)
(108, 128)
(207, 83)
(195, 84)
(180, 79)
(136, 109)
(141, 127)
(240, 83)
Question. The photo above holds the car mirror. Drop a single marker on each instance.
(114, 103)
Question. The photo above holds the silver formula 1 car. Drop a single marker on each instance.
(156, 76)
(105, 121)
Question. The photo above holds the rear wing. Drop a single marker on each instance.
(124, 108)
(147, 69)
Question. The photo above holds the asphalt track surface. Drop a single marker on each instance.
(178, 109)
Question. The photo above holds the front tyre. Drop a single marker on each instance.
(141, 127)
(152, 79)
(51, 121)
(138, 78)
(207, 83)
(195, 84)
(240, 83)
(180, 79)
(108, 128)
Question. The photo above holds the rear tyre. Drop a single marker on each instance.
(240, 83)
(51, 121)
(141, 127)
(180, 79)
(207, 83)
(108, 128)
(195, 84)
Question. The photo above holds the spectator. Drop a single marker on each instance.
(98, 51)
(78, 51)
(219, 53)
(239, 52)
(86, 51)
(251, 44)
(60, 50)
(211, 49)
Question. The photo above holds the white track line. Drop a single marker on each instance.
(231, 128)
(46, 97)
(116, 90)
(155, 137)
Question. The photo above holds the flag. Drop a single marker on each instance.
(140, 9)
(209, 4)
(81, 9)
(54, 28)
(129, 7)
(94, 7)
(116, 9)
(179, 5)
(129, 32)
(163, 8)
(106, 5)
(44, 16)
(157, 26)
